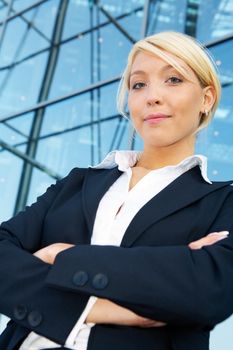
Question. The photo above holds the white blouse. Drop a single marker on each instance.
(110, 223)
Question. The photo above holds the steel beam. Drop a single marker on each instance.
(29, 160)
(19, 13)
(26, 175)
(51, 102)
(115, 23)
(29, 24)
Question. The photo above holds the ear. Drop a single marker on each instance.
(209, 97)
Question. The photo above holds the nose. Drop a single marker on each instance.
(154, 96)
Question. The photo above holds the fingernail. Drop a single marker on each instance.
(220, 233)
(226, 233)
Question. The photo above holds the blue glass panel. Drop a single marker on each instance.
(30, 43)
(20, 5)
(75, 58)
(114, 135)
(73, 67)
(28, 40)
(107, 100)
(31, 40)
(78, 17)
(3, 77)
(114, 49)
(224, 62)
(39, 183)
(9, 46)
(11, 167)
(22, 123)
(111, 136)
(217, 142)
(65, 151)
(167, 15)
(10, 136)
(3, 11)
(133, 24)
(215, 19)
(124, 139)
(221, 337)
(116, 8)
(43, 17)
(22, 86)
(3, 322)
(67, 114)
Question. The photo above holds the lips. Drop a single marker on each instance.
(155, 118)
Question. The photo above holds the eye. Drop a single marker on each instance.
(174, 80)
(138, 86)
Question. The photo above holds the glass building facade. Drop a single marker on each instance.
(60, 64)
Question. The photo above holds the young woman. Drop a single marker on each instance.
(129, 254)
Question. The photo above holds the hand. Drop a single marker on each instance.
(49, 253)
(210, 239)
(107, 312)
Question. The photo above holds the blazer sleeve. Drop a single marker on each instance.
(174, 284)
(24, 295)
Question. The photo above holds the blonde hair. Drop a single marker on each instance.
(189, 51)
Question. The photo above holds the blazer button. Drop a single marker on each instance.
(100, 281)
(34, 318)
(20, 312)
(80, 278)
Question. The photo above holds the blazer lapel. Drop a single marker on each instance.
(96, 183)
(186, 189)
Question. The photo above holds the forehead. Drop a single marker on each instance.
(145, 61)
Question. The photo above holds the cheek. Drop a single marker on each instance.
(190, 105)
(132, 102)
(129, 104)
(134, 107)
(135, 112)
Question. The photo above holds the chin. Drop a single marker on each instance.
(158, 145)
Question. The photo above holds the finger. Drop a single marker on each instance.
(153, 324)
(205, 242)
(210, 239)
(159, 324)
(149, 321)
(219, 233)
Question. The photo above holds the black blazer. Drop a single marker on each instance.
(153, 273)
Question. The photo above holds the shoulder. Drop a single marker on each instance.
(76, 172)
(223, 196)
(75, 177)
(224, 189)
(223, 186)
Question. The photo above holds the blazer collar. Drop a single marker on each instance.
(186, 189)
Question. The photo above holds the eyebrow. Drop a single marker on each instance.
(164, 68)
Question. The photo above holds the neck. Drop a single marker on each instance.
(159, 157)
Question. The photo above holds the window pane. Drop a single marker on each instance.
(215, 19)
(63, 152)
(11, 167)
(21, 86)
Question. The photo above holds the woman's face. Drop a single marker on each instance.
(165, 107)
